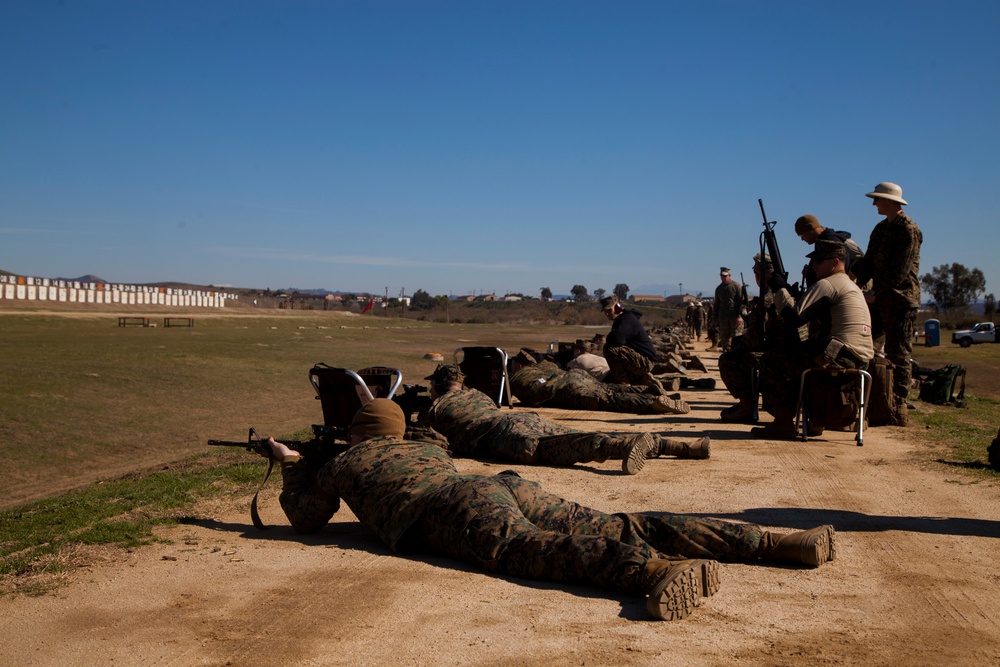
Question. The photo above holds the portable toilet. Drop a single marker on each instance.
(932, 333)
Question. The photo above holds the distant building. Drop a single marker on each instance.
(647, 298)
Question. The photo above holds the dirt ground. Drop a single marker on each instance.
(915, 581)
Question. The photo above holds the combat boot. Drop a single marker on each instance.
(698, 383)
(808, 547)
(670, 383)
(900, 414)
(675, 406)
(632, 450)
(677, 586)
(776, 430)
(697, 364)
(741, 413)
(696, 449)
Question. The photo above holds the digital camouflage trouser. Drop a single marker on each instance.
(727, 330)
(630, 367)
(510, 526)
(526, 437)
(894, 324)
(736, 369)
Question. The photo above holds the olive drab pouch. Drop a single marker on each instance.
(944, 386)
(828, 357)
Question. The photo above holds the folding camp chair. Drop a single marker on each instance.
(342, 392)
(382, 381)
(485, 369)
(863, 389)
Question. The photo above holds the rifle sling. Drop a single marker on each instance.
(254, 514)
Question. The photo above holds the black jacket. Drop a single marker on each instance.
(627, 330)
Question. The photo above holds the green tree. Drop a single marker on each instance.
(599, 293)
(989, 306)
(546, 294)
(579, 292)
(421, 300)
(953, 286)
(621, 291)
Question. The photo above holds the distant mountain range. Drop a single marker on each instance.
(89, 278)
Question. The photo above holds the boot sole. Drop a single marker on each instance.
(709, 577)
(635, 458)
(668, 406)
(822, 549)
(677, 594)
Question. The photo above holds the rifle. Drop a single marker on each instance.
(322, 448)
(769, 242)
(415, 398)
(746, 299)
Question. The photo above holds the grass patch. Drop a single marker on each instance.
(34, 538)
(960, 434)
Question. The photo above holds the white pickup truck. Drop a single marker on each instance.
(984, 332)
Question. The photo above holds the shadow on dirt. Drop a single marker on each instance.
(804, 518)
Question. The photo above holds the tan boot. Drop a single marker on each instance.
(677, 586)
(900, 414)
(667, 405)
(695, 449)
(808, 547)
(776, 430)
(636, 450)
(632, 450)
(741, 413)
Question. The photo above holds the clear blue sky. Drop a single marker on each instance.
(485, 146)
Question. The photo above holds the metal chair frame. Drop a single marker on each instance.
(802, 408)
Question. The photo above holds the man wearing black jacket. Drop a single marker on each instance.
(810, 230)
(628, 349)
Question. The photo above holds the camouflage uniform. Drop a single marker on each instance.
(839, 304)
(412, 497)
(477, 428)
(546, 384)
(728, 302)
(892, 262)
(764, 332)
(630, 352)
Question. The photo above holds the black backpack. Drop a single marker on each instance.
(945, 385)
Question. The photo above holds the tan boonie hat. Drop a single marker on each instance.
(759, 263)
(724, 271)
(608, 302)
(377, 418)
(806, 223)
(827, 250)
(888, 190)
